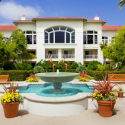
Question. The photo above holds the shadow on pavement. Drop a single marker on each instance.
(22, 112)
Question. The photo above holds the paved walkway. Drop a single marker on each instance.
(88, 117)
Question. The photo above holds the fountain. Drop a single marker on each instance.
(57, 78)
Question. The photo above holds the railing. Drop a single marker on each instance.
(68, 55)
(53, 55)
(90, 57)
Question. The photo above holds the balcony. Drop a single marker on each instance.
(91, 57)
(47, 56)
(68, 55)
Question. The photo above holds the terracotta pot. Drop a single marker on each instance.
(11, 109)
(105, 108)
(120, 94)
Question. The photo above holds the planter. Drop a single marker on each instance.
(11, 109)
(120, 94)
(105, 108)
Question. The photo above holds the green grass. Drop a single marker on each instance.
(77, 77)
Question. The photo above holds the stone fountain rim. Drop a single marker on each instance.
(48, 74)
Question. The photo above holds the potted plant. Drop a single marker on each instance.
(120, 92)
(106, 97)
(10, 101)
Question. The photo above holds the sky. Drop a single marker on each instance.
(105, 9)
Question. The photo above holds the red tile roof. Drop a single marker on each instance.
(59, 18)
(111, 27)
(8, 27)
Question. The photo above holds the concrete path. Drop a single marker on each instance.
(88, 117)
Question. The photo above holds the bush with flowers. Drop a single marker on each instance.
(11, 95)
(32, 78)
(84, 77)
(104, 91)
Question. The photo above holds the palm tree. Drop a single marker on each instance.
(121, 3)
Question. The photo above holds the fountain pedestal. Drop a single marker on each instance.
(57, 87)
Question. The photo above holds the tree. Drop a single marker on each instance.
(121, 3)
(116, 50)
(5, 50)
(18, 43)
(103, 46)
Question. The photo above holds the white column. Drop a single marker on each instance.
(40, 48)
(59, 54)
(79, 47)
(100, 53)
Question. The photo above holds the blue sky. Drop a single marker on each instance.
(105, 9)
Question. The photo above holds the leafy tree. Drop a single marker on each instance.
(5, 50)
(18, 43)
(121, 3)
(116, 50)
(93, 65)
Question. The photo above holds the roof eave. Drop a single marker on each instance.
(103, 22)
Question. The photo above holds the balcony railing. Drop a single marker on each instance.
(68, 55)
(90, 57)
(53, 55)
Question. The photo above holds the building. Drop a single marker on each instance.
(74, 38)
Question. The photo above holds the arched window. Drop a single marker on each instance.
(90, 37)
(59, 35)
(30, 36)
(104, 39)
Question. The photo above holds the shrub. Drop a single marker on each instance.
(93, 65)
(32, 78)
(104, 67)
(58, 64)
(17, 66)
(60, 70)
(81, 68)
(16, 75)
(99, 75)
(38, 69)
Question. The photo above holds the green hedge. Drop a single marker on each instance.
(16, 75)
(98, 75)
(60, 70)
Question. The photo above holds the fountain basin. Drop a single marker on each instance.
(55, 106)
(57, 78)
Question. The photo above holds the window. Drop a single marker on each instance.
(67, 52)
(90, 37)
(105, 39)
(30, 36)
(5, 39)
(51, 52)
(60, 35)
(88, 52)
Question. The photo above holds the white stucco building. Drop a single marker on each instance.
(76, 39)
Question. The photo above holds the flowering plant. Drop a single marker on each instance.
(83, 79)
(32, 78)
(11, 95)
(104, 91)
(84, 76)
(120, 89)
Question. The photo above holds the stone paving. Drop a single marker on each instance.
(88, 117)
